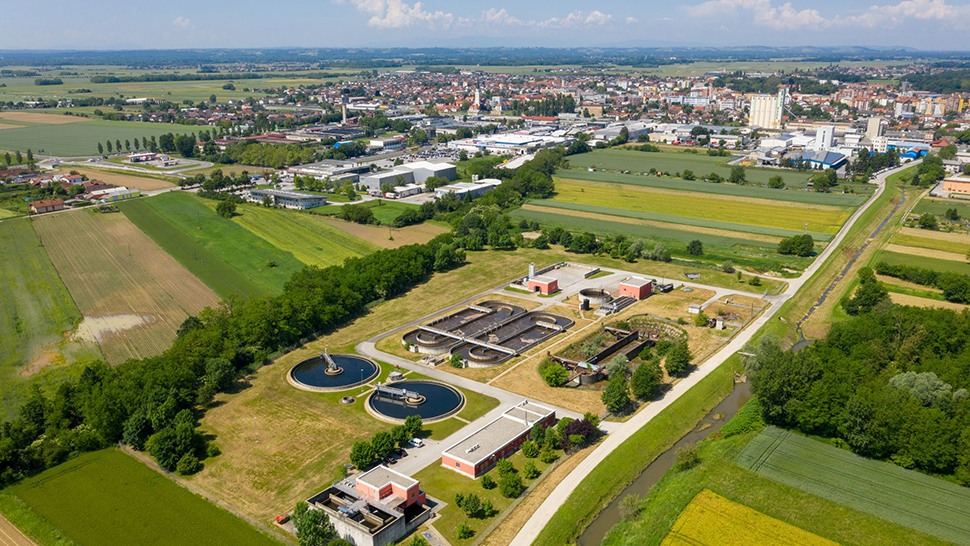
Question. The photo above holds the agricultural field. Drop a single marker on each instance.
(388, 237)
(222, 254)
(132, 294)
(385, 210)
(106, 498)
(719, 212)
(672, 162)
(77, 139)
(936, 264)
(36, 313)
(119, 178)
(923, 503)
(957, 243)
(940, 206)
(757, 192)
(712, 520)
(308, 238)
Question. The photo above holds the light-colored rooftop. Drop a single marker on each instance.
(495, 435)
(380, 476)
(635, 281)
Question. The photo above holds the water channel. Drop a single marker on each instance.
(711, 423)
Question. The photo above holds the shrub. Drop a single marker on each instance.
(464, 531)
(678, 359)
(555, 375)
(488, 482)
(505, 467)
(687, 457)
(727, 266)
(530, 449)
(646, 378)
(695, 248)
(456, 361)
(487, 510)
(471, 504)
(188, 464)
(748, 419)
(530, 471)
(616, 395)
(511, 486)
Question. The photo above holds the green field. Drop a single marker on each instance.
(701, 209)
(306, 237)
(931, 243)
(911, 499)
(619, 159)
(936, 264)
(671, 219)
(35, 310)
(759, 192)
(108, 498)
(385, 211)
(221, 253)
(80, 138)
(940, 206)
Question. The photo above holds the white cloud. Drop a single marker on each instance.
(574, 19)
(787, 17)
(893, 15)
(499, 17)
(398, 14)
(631, 20)
(182, 23)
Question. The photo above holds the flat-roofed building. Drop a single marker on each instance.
(957, 184)
(476, 453)
(395, 177)
(636, 287)
(544, 285)
(472, 190)
(288, 199)
(375, 508)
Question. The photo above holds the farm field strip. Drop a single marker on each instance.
(712, 520)
(308, 238)
(936, 264)
(143, 183)
(926, 252)
(670, 219)
(35, 305)
(940, 206)
(699, 208)
(382, 237)
(112, 268)
(794, 196)
(748, 236)
(209, 245)
(573, 222)
(932, 243)
(911, 499)
(928, 303)
(106, 498)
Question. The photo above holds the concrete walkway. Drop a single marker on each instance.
(557, 498)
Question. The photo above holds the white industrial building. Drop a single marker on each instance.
(469, 190)
(412, 173)
(288, 199)
(507, 143)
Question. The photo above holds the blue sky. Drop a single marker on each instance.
(99, 24)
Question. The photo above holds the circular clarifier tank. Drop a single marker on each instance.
(430, 400)
(347, 371)
(595, 296)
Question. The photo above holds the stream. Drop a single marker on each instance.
(610, 516)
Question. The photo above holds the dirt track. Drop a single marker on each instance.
(11, 536)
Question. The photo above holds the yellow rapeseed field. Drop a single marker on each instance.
(711, 520)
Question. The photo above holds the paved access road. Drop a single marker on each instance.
(548, 508)
(11, 536)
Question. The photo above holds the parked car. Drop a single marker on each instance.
(417, 442)
(280, 520)
(400, 452)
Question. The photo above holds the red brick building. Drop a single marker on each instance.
(544, 285)
(636, 288)
(481, 450)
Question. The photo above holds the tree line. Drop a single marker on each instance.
(889, 383)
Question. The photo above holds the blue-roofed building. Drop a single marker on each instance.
(825, 160)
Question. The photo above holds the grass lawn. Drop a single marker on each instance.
(224, 255)
(905, 497)
(82, 138)
(712, 520)
(719, 473)
(797, 196)
(385, 210)
(932, 243)
(443, 483)
(936, 264)
(308, 238)
(625, 463)
(108, 498)
(696, 209)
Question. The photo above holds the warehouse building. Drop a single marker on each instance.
(636, 288)
(288, 199)
(481, 450)
(468, 190)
